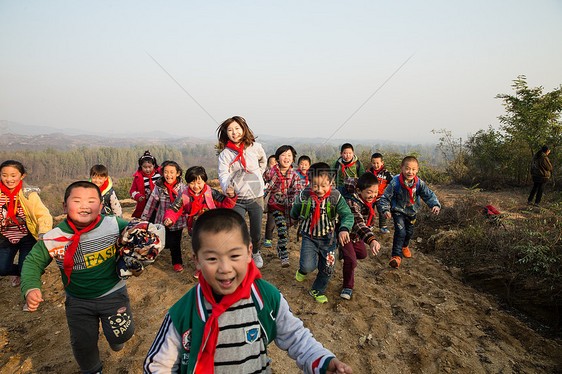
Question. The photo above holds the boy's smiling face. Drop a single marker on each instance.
(369, 194)
(304, 165)
(83, 206)
(320, 185)
(409, 170)
(98, 180)
(377, 163)
(223, 259)
(347, 154)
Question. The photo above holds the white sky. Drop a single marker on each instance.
(291, 68)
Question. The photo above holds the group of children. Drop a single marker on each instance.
(226, 321)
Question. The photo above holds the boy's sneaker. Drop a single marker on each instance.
(320, 297)
(384, 230)
(117, 347)
(267, 243)
(178, 268)
(536, 205)
(284, 262)
(257, 260)
(346, 293)
(406, 252)
(300, 276)
(395, 262)
(16, 281)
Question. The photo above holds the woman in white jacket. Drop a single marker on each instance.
(242, 162)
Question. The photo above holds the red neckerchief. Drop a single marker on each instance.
(104, 185)
(206, 356)
(410, 189)
(12, 200)
(240, 155)
(284, 179)
(376, 172)
(150, 182)
(371, 210)
(316, 215)
(343, 167)
(305, 176)
(68, 262)
(196, 204)
(171, 191)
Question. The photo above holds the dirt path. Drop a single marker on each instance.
(419, 319)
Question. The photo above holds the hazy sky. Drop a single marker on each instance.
(291, 68)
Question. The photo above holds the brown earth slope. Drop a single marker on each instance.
(419, 319)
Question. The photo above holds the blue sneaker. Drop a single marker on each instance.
(267, 243)
(346, 293)
(384, 230)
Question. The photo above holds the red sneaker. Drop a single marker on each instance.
(178, 268)
(406, 252)
(395, 262)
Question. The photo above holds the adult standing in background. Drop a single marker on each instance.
(540, 172)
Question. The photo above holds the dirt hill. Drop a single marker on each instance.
(419, 319)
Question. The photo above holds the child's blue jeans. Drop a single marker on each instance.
(8, 252)
(318, 252)
(403, 231)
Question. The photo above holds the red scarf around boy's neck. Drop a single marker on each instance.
(68, 262)
(376, 172)
(206, 356)
(371, 210)
(316, 215)
(198, 201)
(12, 200)
(240, 155)
(410, 189)
(345, 165)
(171, 192)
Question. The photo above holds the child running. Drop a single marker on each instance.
(270, 222)
(198, 198)
(347, 165)
(83, 247)
(401, 201)
(303, 165)
(99, 176)
(384, 177)
(317, 208)
(23, 219)
(361, 201)
(224, 323)
(242, 162)
(167, 189)
(144, 181)
(284, 186)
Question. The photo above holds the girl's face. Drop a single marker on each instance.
(285, 159)
(197, 185)
(170, 174)
(147, 167)
(235, 132)
(11, 177)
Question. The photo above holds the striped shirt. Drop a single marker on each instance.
(146, 180)
(9, 229)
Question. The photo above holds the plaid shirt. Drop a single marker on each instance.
(282, 189)
(159, 197)
(360, 212)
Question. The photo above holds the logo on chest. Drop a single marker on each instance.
(252, 335)
(186, 340)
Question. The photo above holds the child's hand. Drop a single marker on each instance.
(33, 298)
(168, 222)
(435, 210)
(375, 247)
(230, 192)
(343, 237)
(387, 215)
(141, 198)
(336, 366)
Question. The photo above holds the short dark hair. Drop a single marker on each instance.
(270, 157)
(83, 184)
(367, 180)
(320, 169)
(174, 164)
(346, 146)
(376, 155)
(409, 159)
(15, 164)
(195, 172)
(218, 220)
(100, 170)
(283, 149)
(545, 148)
(304, 158)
